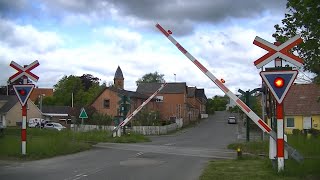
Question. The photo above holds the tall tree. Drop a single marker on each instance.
(303, 18)
(151, 77)
(89, 80)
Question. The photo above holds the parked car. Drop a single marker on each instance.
(34, 122)
(232, 120)
(54, 126)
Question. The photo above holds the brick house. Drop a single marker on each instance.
(302, 107)
(107, 101)
(171, 100)
(176, 100)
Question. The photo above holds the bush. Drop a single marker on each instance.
(148, 118)
(296, 131)
(314, 132)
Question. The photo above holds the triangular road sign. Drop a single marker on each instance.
(279, 82)
(83, 114)
(23, 92)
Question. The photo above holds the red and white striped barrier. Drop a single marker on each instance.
(253, 116)
(124, 122)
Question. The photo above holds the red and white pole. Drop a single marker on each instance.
(24, 124)
(280, 137)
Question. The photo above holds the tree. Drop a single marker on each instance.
(151, 77)
(89, 80)
(303, 18)
(217, 103)
(84, 89)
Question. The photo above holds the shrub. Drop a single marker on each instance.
(296, 131)
(314, 132)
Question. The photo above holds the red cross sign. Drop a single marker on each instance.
(24, 71)
(281, 51)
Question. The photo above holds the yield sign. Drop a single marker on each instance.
(24, 71)
(83, 114)
(279, 82)
(23, 92)
(281, 51)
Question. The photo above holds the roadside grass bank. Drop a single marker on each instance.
(259, 166)
(43, 143)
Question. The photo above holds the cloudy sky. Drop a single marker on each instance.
(95, 36)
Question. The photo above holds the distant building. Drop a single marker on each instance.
(176, 100)
(37, 92)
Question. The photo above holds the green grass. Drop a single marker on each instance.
(48, 143)
(257, 167)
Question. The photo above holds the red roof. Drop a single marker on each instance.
(303, 99)
(38, 91)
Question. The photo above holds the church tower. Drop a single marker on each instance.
(118, 79)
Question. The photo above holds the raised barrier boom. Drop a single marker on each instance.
(253, 116)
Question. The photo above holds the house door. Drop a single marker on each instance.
(307, 122)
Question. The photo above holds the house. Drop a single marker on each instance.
(10, 110)
(196, 103)
(60, 114)
(302, 107)
(107, 102)
(177, 100)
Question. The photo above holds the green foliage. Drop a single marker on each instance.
(296, 131)
(151, 77)
(43, 143)
(303, 19)
(147, 118)
(84, 89)
(217, 103)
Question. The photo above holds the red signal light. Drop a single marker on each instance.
(22, 92)
(222, 80)
(279, 82)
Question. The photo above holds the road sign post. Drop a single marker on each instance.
(83, 115)
(23, 92)
(256, 119)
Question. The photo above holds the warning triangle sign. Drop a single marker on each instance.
(279, 82)
(23, 92)
(83, 114)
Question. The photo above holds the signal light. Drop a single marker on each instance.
(222, 80)
(22, 92)
(279, 82)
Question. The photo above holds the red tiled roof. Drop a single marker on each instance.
(303, 99)
(38, 91)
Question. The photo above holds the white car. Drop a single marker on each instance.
(232, 120)
(54, 126)
(34, 122)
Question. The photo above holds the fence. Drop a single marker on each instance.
(145, 130)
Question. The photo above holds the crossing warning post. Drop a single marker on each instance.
(23, 92)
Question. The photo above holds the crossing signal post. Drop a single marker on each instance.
(23, 92)
(124, 108)
(279, 80)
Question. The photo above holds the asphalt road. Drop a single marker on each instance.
(171, 157)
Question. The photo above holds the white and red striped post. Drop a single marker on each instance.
(280, 137)
(24, 124)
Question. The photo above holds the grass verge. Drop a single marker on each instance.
(257, 167)
(48, 143)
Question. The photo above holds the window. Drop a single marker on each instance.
(106, 103)
(159, 98)
(290, 122)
